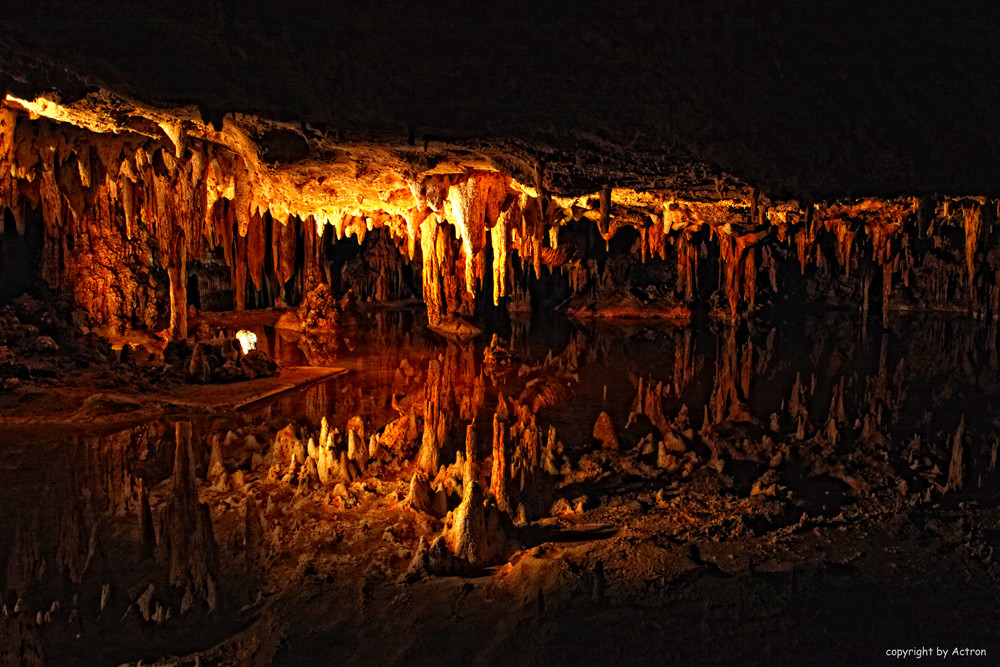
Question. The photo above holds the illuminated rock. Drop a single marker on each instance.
(604, 432)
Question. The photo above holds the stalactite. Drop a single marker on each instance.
(687, 265)
(8, 126)
(956, 467)
(285, 249)
(500, 236)
(429, 230)
(973, 223)
(845, 244)
(177, 274)
(886, 293)
(605, 221)
(113, 205)
(475, 203)
(732, 380)
(738, 259)
(649, 402)
(656, 240)
(187, 540)
(239, 273)
(256, 249)
(805, 239)
(455, 303)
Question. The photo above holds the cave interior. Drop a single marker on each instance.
(563, 334)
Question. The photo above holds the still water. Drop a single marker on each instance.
(68, 498)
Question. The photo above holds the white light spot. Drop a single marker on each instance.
(248, 340)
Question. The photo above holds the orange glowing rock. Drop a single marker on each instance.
(604, 432)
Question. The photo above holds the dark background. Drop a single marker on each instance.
(806, 98)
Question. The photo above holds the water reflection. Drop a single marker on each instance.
(72, 502)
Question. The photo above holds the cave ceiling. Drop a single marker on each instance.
(814, 103)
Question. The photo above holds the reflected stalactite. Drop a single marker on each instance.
(185, 538)
(844, 409)
(734, 371)
(501, 487)
(94, 481)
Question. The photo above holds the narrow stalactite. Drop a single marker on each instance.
(604, 225)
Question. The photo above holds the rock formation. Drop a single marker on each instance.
(186, 536)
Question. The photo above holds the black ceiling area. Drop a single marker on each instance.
(817, 99)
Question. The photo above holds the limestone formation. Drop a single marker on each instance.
(419, 496)
(216, 468)
(175, 225)
(501, 487)
(186, 536)
(198, 370)
(604, 432)
(218, 195)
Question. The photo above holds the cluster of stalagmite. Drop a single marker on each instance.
(477, 491)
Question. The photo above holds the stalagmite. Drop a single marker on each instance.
(427, 457)
(419, 496)
(604, 432)
(469, 539)
(198, 369)
(326, 460)
(287, 450)
(357, 452)
(216, 469)
(956, 467)
(665, 459)
(147, 535)
(473, 465)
